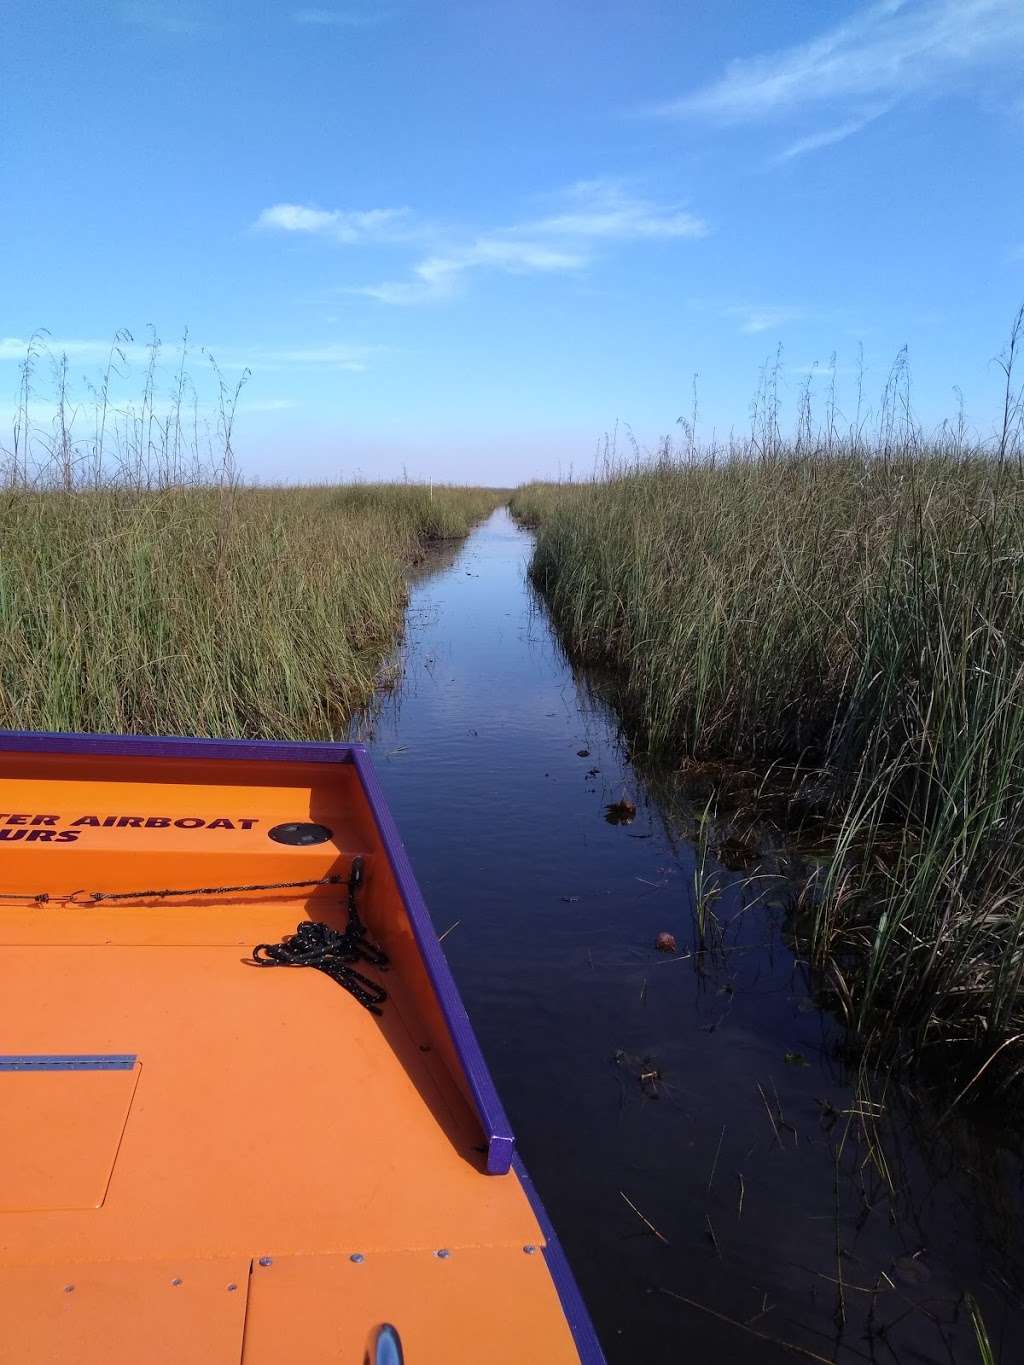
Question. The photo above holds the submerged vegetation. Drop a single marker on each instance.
(144, 589)
(849, 611)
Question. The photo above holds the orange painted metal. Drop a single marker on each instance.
(150, 1313)
(82, 1114)
(272, 1116)
(464, 1307)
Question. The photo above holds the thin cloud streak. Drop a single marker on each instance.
(98, 351)
(439, 277)
(885, 53)
(75, 348)
(333, 18)
(605, 209)
(754, 319)
(826, 137)
(350, 227)
(164, 17)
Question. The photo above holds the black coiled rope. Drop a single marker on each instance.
(315, 944)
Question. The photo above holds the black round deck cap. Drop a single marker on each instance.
(300, 832)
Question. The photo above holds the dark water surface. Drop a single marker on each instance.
(700, 1086)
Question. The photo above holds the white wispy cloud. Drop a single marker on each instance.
(606, 209)
(164, 16)
(338, 18)
(827, 137)
(585, 215)
(75, 348)
(81, 416)
(753, 318)
(439, 277)
(336, 357)
(256, 405)
(885, 52)
(349, 226)
(97, 350)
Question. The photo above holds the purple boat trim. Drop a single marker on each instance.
(174, 746)
(569, 1295)
(497, 1129)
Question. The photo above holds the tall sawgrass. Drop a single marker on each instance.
(145, 589)
(853, 608)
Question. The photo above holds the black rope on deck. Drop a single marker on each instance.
(315, 944)
(203, 890)
(96, 897)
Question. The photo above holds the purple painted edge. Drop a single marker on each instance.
(497, 1129)
(564, 1280)
(492, 1117)
(159, 746)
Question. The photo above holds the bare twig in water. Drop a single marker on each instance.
(711, 1234)
(782, 1117)
(646, 1221)
(768, 1111)
(714, 1164)
(857, 1288)
(765, 1308)
(840, 1313)
(977, 1076)
(743, 1190)
(762, 1336)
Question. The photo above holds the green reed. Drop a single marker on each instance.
(856, 610)
(144, 589)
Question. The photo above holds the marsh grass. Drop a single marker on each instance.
(853, 609)
(145, 589)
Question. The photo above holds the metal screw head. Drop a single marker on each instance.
(176, 1280)
(357, 1257)
(529, 1250)
(442, 1254)
(232, 1288)
(69, 1289)
(266, 1260)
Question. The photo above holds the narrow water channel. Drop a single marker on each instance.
(700, 1150)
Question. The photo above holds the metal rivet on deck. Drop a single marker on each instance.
(443, 1253)
(176, 1280)
(69, 1289)
(266, 1260)
(358, 1257)
(529, 1250)
(232, 1288)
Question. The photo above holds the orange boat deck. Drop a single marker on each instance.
(204, 1161)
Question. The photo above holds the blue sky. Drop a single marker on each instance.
(465, 238)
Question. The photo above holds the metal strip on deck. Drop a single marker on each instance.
(117, 1061)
